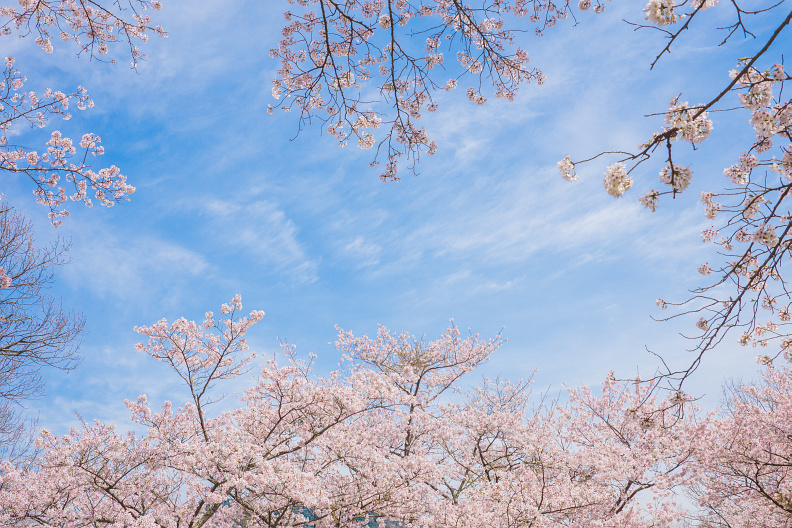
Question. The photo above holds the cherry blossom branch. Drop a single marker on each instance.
(758, 220)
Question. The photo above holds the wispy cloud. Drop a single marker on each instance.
(366, 253)
(128, 266)
(263, 230)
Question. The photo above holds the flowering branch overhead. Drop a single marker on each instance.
(60, 173)
(357, 67)
(754, 240)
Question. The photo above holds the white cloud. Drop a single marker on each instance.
(129, 266)
(364, 252)
(262, 229)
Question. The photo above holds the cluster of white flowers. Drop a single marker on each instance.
(649, 200)
(661, 12)
(711, 207)
(616, 180)
(708, 235)
(677, 177)
(691, 123)
(766, 235)
(703, 5)
(752, 205)
(784, 165)
(567, 169)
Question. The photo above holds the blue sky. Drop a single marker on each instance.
(229, 201)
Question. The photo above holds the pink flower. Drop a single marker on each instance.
(649, 200)
(708, 235)
(766, 235)
(5, 280)
(677, 177)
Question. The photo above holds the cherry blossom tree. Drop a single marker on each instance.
(390, 436)
(59, 170)
(745, 459)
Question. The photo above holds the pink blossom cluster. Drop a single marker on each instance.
(661, 12)
(91, 26)
(650, 200)
(567, 168)
(686, 123)
(743, 456)
(61, 172)
(757, 242)
(60, 166)
(676, 177)
(205, 351)
(616, 180)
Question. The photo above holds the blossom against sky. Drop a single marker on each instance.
(230, 200)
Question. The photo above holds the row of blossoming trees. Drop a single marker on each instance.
(390, 434)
